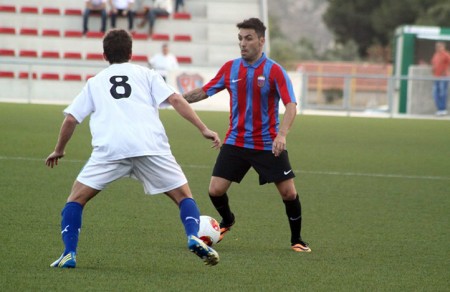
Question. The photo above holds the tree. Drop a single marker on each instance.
(286, 52)
(342, 52)
(281, 49)
(350, 20)
(438, 14)
(371, 22)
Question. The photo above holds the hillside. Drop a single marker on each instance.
(302, 19)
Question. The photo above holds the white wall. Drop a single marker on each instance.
(63, 92)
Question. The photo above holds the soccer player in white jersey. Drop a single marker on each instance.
(128, 140)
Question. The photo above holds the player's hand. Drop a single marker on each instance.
(279, 145)
(211, 135)
(52, 159)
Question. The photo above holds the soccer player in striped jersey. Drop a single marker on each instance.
(128, 140)
(255, 137)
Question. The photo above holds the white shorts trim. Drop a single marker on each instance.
(157, 173)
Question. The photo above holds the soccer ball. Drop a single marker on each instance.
(209, 230)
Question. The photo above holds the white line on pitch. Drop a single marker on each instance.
(336, 173)
(384, 175)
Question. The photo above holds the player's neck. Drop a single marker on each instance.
(251, 62)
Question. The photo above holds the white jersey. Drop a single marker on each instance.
(123, 102)
(163, 63)
(122, 4)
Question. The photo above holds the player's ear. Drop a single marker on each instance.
(105, 57)
(262, 41)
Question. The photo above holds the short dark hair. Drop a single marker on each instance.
(253, 23)
(117, 46)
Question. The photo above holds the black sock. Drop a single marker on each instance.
(294, 214)
(222, 206)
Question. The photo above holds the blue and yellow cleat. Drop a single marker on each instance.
(206, 253)
(65, 261)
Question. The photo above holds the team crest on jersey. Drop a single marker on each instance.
(187, 82)
(261, 80)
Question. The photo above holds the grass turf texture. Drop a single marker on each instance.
(375, 196)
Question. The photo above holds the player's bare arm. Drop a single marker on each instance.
(195, 95)
(279, 144)
(67, 128)
(186, 111)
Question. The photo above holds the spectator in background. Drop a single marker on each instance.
(441, 68)
(141, 7)
(96, 6)
(122, 8)
(178, 4)
(163, 62)
(159, 8)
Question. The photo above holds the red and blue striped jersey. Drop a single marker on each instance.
(255, 91)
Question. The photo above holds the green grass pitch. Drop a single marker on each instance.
(375, 195)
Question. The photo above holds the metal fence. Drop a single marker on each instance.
(360, 93)
(343, 94)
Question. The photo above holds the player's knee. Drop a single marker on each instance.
(218, 187)
(81, 193)
(214, 192)
(288, 193)
(287, 189)
(288, 196)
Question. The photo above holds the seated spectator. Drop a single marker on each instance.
(178, 4)
(159, 8)
(163, 62)
(141, 7)
(122, 8)
(96, 6)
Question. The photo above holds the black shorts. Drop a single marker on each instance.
(234, 162)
